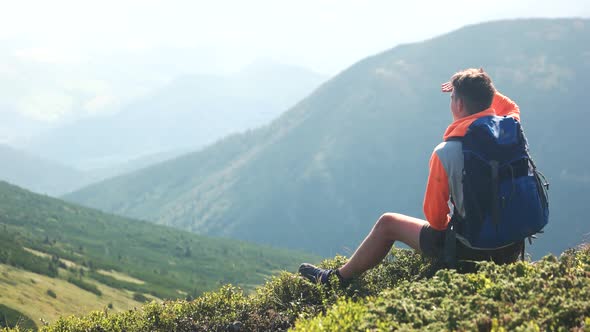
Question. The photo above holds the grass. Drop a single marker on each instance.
(27, 292)
(399, 294)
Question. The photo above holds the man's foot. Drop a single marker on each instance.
(316, 274)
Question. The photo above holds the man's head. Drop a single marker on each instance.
(473, 92)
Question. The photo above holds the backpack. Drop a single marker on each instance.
(505, 196)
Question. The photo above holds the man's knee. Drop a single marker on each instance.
(396, 226)
(399, 227)
(386, 222)
(389, 217)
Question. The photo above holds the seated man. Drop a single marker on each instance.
(472, 96)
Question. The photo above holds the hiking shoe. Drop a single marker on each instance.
(316, 274)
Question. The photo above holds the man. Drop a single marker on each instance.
(472, 96)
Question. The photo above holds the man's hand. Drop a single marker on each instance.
(447, 87)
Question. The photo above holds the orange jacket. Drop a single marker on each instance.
(444, 179)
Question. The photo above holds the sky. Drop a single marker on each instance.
(53, 52)
(324, 35)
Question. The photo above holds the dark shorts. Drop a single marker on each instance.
(432, 243)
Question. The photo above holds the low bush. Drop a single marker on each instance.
(11, 318)
(551, 294)
(85, 285)
(140, 297)
(12, 253)
(51, 293)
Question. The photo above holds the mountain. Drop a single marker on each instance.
(52, 178)
(63, 246)
(320, 175)
(132, 165)
(37, 174)
(187, 113)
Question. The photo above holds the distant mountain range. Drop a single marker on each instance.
(37, 174)
(188, 113)
(52, 178)
(320, 175)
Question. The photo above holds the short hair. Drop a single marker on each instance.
(475, 88)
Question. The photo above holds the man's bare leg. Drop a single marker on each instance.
(389, 228)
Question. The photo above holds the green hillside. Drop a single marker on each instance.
(100, 253)
(549, 295)
(31, 298)
(319, 176)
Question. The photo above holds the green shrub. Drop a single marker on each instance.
(51, 293)
(11, 318)
(12, 253)
(140, 297)
(149, 288)
(85, 285)
(548, 295)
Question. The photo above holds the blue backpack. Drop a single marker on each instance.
(505, 197)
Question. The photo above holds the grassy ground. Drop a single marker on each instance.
(552, 294)
(27, 292)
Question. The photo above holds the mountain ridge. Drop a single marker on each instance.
(52, 178)
(188, 112)
(38, 174)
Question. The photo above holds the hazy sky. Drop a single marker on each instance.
(61, 58)
(325, 35)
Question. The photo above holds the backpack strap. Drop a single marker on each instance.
(449, 255)
(450, 248)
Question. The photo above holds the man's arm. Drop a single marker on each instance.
(503, 105)
(436, 198)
